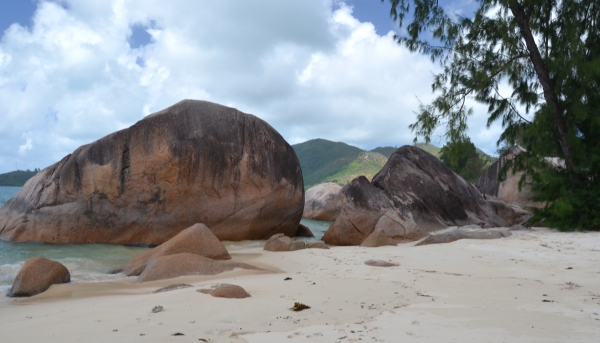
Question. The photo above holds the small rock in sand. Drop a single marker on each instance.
(224, 290)
(172, 287)
(281, 242)
(380, 263)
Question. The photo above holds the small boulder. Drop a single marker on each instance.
(380, 263)
(172, 287)
(316, 245)
(304, 231)
(519, 228)
(37, 275)
(323, 202)
(280, 242)
(451, 235)
(224, 290)
(196, 239)
(378, 239)
(172, 266)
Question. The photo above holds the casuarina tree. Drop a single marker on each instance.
(536, 65)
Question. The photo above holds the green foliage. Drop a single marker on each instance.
(463, 158)
(547, 54)
(367, 164)
(17, 178)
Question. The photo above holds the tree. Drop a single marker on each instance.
(547, 53)
(463, 159)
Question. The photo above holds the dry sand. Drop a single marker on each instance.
(536, 286)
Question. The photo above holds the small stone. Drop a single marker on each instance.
(157, 309)
(172, 287)
(299, 307)
(380, 263)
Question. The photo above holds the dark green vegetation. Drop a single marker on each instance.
(547, 53)
(17, 178)
(465, 160)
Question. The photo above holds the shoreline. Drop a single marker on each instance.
(472, 290)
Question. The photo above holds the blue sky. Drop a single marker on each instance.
(73, 71)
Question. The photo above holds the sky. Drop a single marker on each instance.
(73, 71)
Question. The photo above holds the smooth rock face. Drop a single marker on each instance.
(194, 162)
(172, 266)
(37, 275)
(412, 195)
(280, 242)
(508, 189)
(323, 201)
(225, 290)
(464, 233)
(196, 239)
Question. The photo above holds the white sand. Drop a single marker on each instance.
(466, 291)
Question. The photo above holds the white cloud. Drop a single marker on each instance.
(28, 143)
(309, 71)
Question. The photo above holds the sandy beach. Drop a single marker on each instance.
(535, 286)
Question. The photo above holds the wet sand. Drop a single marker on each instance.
(535, 286)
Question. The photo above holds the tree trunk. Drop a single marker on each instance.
(544, 78)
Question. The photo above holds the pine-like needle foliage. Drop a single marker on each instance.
(546, 53)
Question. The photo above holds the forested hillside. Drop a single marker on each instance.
(17, 178)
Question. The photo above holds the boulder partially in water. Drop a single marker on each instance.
(412, 195)
(37, 275)
(194, 162)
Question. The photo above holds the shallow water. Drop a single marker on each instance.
(94, 262)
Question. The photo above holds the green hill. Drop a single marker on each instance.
(367, 164)
(325, 161)
(432, 149)
(320, 158)
(17, 178)
(386, 151)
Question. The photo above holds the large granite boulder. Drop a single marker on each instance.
(37, 275)
(506, 190)
(194, 162)
(323, 201)
(196, 239)
(412, 195)
(185, 264)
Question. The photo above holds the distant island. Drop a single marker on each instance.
(17, 178)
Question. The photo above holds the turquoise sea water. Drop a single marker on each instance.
(93, 262)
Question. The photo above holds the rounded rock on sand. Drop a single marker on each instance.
(380, 263)
(225, 290)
